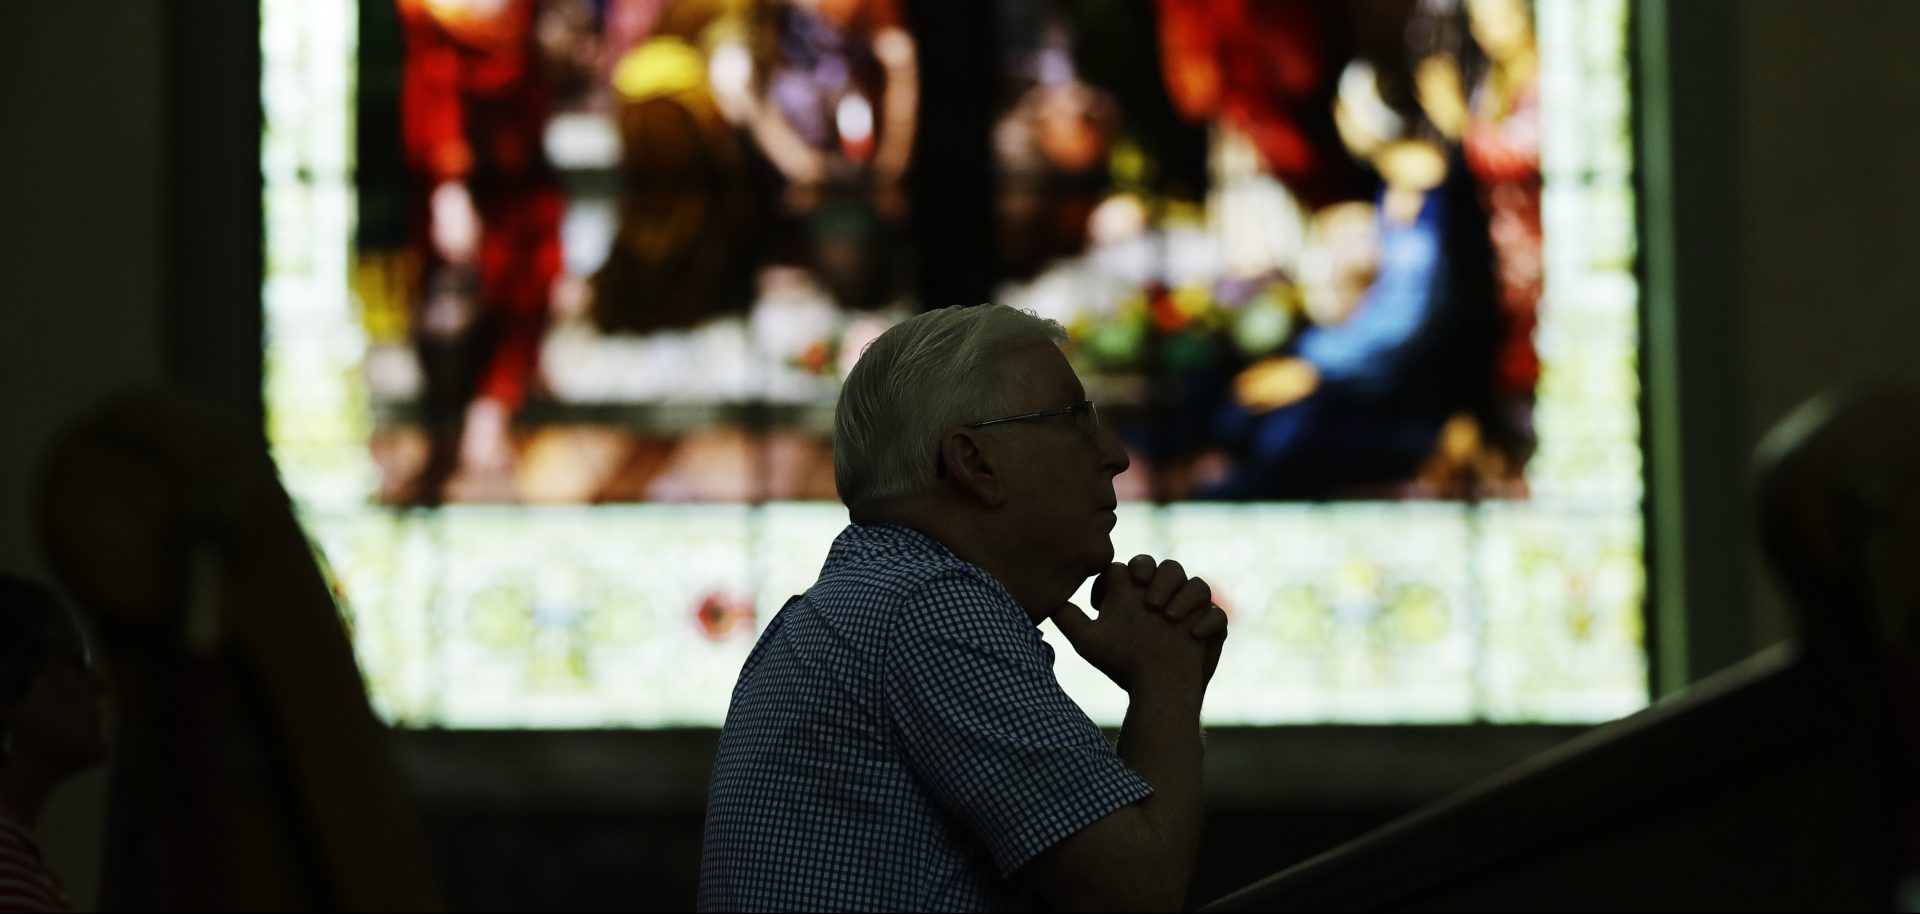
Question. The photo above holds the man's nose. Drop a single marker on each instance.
(1113, 454)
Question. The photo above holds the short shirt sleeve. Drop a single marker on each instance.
(983, 722)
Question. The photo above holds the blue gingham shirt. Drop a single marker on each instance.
(898, 741)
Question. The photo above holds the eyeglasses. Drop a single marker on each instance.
(1083, 412)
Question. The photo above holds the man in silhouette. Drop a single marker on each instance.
(897, 739)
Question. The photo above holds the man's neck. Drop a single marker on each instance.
(964, 534)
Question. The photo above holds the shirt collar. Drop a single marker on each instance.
(862, 541)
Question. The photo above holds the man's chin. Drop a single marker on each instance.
(1106, 550)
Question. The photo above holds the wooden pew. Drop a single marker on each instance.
(1789, 782)
(249, 772)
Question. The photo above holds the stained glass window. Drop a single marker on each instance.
(559, 295)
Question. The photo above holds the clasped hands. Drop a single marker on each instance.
(1154, 622)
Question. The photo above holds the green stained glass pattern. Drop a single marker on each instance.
(1349, 613)
(481, 617)
(318, 420)
(793, 542)
(384, 568)
(579, 618)
(1563, 631)
(1587, 417)
(1353, 613)
(1405, 613)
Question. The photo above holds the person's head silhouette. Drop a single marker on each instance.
(51, 725)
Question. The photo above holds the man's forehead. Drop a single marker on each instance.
(1042, 372)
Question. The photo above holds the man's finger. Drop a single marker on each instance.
(1141, 567)
(1211, 625)
(1072, 622)
(1166, 582)
(1193, 597)
(1105, 579)
(1116, 594)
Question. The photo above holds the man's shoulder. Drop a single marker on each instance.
(896, 576)
(903, 586)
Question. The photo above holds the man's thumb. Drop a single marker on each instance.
(1072, 622)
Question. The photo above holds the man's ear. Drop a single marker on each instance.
(973, 466)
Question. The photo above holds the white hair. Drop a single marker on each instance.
(923, 376)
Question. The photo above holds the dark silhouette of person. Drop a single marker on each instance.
(50, 730)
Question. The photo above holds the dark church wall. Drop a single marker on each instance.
(81, 268)
(600, 862)
(80, 223)
(611, 820)
(1830, 203)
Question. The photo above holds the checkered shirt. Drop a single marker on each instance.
(897, 741)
